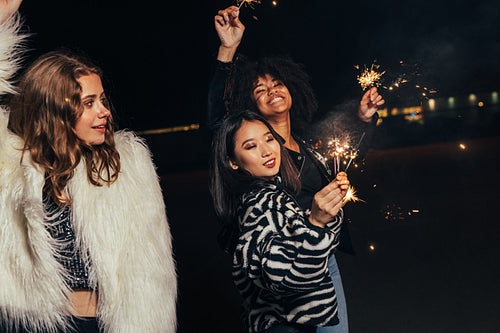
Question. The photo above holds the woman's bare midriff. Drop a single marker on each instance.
(84, 302)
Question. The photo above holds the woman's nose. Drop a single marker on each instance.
(104, 112)
(265, 151)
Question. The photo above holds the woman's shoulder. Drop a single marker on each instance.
(269, 196)
(129, 143)
(264, 189)
(134, 152)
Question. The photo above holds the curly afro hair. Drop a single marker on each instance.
(283, 68)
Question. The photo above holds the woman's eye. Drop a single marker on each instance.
(248, 147)
(276, 84)
(88, 103)
(270, 138)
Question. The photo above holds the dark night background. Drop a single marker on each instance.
(433, 271)
(158, 58)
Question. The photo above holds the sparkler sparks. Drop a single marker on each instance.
(249, 3)
(369, 77)
(339, 150)
(408, 73)
(351, 196)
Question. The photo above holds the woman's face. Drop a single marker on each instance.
(256, 150)
(271, 97)
(91, 126)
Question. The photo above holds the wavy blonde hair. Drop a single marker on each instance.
(44, 113)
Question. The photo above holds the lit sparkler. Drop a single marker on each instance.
(249, 3)
(370, 77)
(351, 196)
(339, 151)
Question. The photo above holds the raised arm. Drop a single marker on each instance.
(230, 31)
(11, 42)
(7, 8)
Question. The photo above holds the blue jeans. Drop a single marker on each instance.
(290, 328)
(342, 326)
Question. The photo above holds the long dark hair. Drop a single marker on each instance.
(226, 184)
(44, 113)
(283, 68)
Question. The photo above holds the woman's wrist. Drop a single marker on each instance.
(315, 222)
(226, 54)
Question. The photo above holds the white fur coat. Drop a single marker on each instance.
(123, 228)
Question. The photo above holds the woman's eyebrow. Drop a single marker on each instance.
(247, 140)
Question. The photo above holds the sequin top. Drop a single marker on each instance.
(59, 226)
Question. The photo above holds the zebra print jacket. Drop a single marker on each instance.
(280, 262)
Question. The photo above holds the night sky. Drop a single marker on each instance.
(158, 60)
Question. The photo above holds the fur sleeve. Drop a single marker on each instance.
(11, 48)
(125, 229)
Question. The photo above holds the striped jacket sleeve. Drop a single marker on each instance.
(282, 250)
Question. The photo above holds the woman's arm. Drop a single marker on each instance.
(11, 44)
(279, 246)
(7, 8)
(230, 31)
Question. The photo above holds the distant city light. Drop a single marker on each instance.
(185, 128)
(451, 102)
(432, 104)
(472, 99)
(462, 146)
(372, 247)
(274, 3)
(480, 104)
(494, 97)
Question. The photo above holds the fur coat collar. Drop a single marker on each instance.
(123, 228)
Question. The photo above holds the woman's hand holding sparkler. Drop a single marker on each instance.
(328, 201)
(230, 31)
(369, 104)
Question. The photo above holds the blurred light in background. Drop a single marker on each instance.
(432, 104)
(451, 102)
(472, 99)
(494, 97)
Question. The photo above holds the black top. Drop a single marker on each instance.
(311, 179)
(58, 223)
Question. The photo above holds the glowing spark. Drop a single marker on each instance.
(354, 153)
(351, 196)
(369, 77)
(462, 146)
(371, 247)
(249, 3)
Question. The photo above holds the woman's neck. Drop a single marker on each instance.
(284, 129)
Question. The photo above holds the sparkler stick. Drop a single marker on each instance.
(249, 2)
(356, 150)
